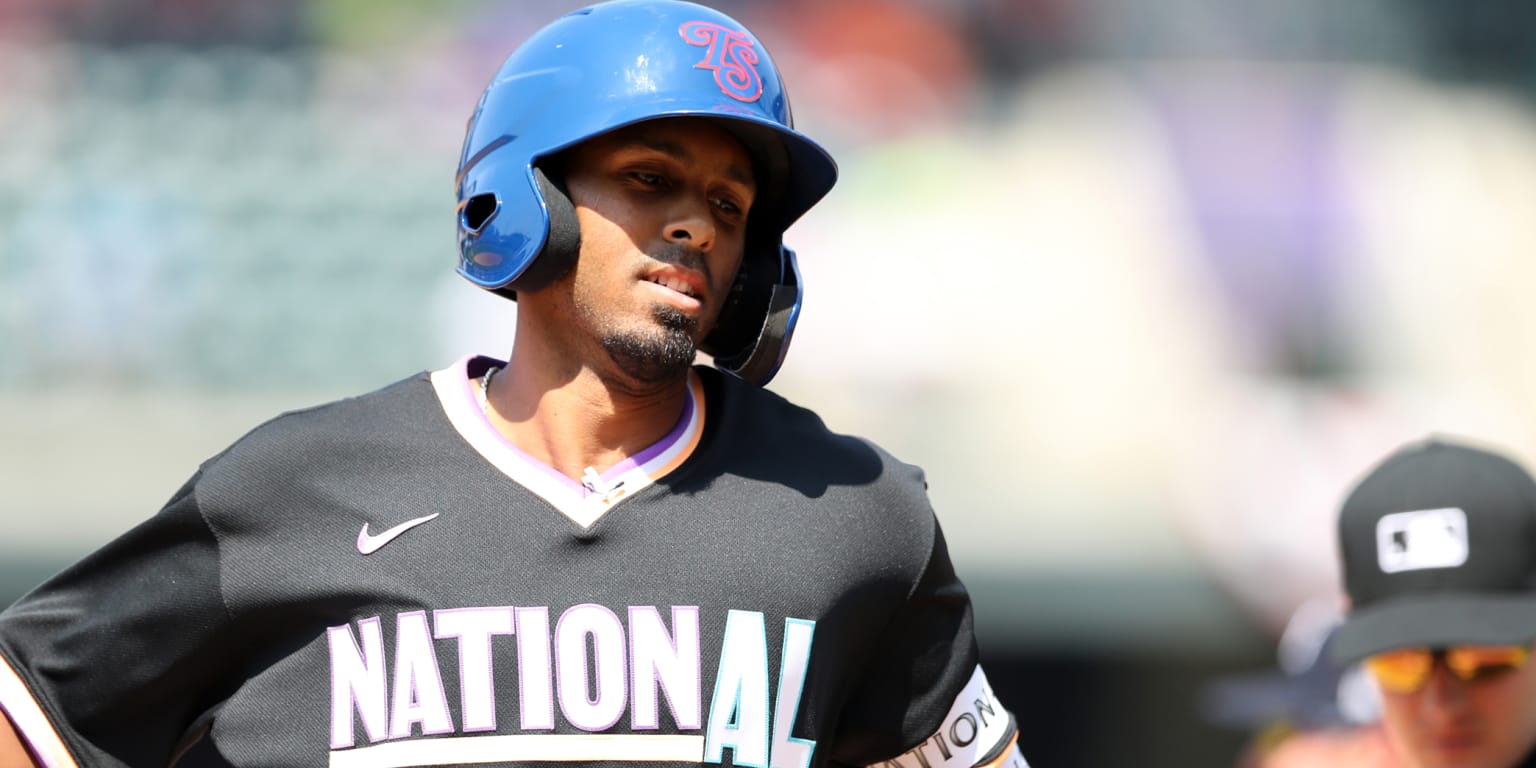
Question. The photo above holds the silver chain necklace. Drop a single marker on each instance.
(483, 393)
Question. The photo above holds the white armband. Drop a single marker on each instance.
(976, 733)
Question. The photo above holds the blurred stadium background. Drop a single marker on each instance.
(1142, 284)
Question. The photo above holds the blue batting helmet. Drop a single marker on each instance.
(612, 65)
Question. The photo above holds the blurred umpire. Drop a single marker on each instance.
(594, 552)
(1438, 544)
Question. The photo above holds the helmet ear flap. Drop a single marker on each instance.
(561, 245)
(752, 333)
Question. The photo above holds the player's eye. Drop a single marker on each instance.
(1484, 662)
(648, 179)
(1403, 670)
(728, 205)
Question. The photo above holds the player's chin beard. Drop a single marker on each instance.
(661, 355)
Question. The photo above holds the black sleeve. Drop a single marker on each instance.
(924, 676)
(119, 654)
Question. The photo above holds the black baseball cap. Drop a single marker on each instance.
(1438, 547)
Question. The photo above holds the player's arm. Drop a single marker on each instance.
(925, 701)
(12, 753)
(153, 595)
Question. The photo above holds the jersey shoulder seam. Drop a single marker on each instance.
(218, 546)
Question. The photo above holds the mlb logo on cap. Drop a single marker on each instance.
(1426, 538)
(1438, 548)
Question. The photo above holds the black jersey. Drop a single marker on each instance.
(385, 581)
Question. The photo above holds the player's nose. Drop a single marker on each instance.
(690, 224)
(1444, 694)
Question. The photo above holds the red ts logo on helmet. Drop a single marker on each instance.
(730, 55)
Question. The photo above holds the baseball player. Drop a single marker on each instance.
(593, 552)
(1438, 544)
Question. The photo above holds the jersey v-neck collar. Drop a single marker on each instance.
(583, 502)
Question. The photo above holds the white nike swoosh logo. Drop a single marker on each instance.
(368, 545)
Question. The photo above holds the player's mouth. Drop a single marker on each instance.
(674, 284)
(1451, 743)
(680, 288)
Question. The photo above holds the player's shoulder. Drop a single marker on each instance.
(358, 431)
(386, 409)
(766, 419)
(768, 431)
(781, 464)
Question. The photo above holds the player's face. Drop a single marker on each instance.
(663, 212)
(1487, 722)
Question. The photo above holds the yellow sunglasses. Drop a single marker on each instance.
(1405, 670)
